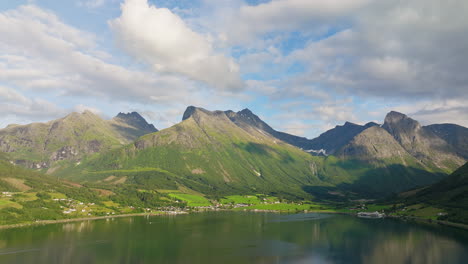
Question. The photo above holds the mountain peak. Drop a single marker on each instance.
(129, 115)
(245, 111)
(190, 111)
(394, 116)
(136, 121)
(396, 120)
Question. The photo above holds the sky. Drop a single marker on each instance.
(303, 66)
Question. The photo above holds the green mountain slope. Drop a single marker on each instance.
(131, 125)
(452, 191)
(26, 196)
(218, 153)
(329, 141)
(207, 152)
(41, 145)
(449, 197)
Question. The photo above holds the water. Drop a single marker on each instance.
(228, 237)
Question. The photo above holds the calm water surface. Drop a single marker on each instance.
(227, 237)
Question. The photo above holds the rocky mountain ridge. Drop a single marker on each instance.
(40, 145)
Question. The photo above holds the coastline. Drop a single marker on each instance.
(60, 221)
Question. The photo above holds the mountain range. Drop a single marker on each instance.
(42, 145)
(227, 152)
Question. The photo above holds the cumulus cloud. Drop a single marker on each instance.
(43, 57)
(67, 62)
(163, 40)
(395, 49)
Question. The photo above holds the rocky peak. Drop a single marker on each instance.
(193, 110)
(132, 115)
(189, 112)
(396, 123)
(246, 112)
(135, 120)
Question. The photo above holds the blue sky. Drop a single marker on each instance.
(304, 66)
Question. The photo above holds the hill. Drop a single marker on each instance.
(42, 145)
(449, 197)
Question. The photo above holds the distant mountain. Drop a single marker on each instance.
(40, 145)
(422, 143)
(374, 144)
(248, 120)
(329, 141)
(336, 138)
(131, 125)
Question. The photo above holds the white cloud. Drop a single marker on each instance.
(163, 40)
(250, 21)
(40, 55)
(394, 49)
(17, 107)
(65, 61)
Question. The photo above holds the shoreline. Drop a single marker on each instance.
(71, 220)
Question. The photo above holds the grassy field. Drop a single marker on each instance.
(288, 207)
(239, 199)
(192, 200)
(6, 203)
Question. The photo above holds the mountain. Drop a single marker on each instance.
(374, 144)
(422, 143)
(131, 125)
(455, 135)
(209, 153)
(248, 120)
(449, 194)
(224, 152)
(334, 139)
(379, 160)
(29, 195)
(452, 191)
(40, 145)
(329, 141)
(26, 195)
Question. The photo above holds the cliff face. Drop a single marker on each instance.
(422, 143)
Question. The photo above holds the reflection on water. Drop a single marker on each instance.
(228, 237)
